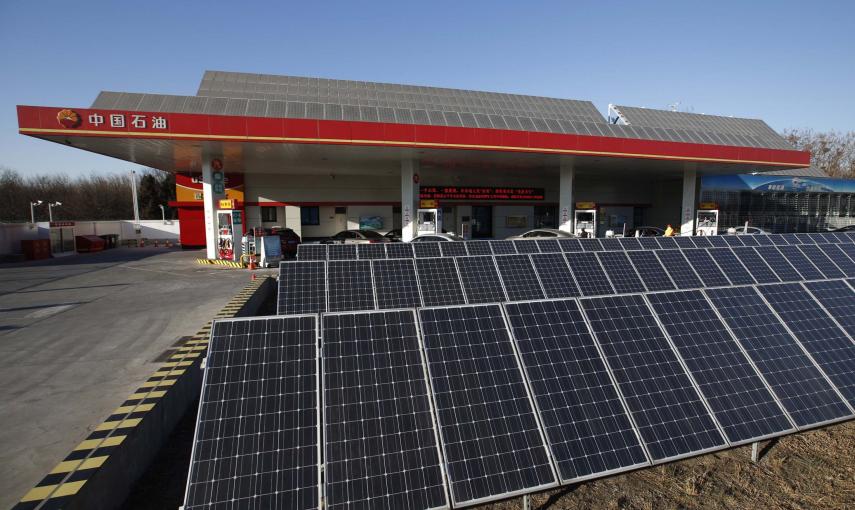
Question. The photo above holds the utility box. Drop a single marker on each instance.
(89, 243)
(36, 249)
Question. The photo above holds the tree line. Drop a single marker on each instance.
(93, 197)
(832, 152)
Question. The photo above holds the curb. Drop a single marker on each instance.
(100, 471)
(217, 262)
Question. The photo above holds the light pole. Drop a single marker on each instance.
(137, 228)
(50, 207)
(32, 211)
(162, 213)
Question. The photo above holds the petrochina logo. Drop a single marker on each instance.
(68, 118)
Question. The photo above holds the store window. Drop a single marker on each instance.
(268, 214)
(545, 216)
(310, 216)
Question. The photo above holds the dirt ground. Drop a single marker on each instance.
(810, 470)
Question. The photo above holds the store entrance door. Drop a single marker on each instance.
(482, 221)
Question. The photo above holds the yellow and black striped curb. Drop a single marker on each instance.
(59, 488)
(217, 262)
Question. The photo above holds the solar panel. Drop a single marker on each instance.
(548, 246)
(763, 240)
(837, 299)
(611, 244)
(503, 247)
(849, 249)
(256, 442)
(749, 240)
(371, 251)
(666, 243)
(778, 240)
(426, 249)
(825, 341)
(590, 244)
(739, 398)
(630, 243)
(555, 275)
(706, 268)
(702, 241)
(839, 257)
(779, 265)
(302, 288)
(311, 252)
(800, 262)
(816, 238)
(651, 379)
(621, 273)
(569, 245)
(490, 435)
(679, 269)
(590, 277)
(795, 239)
(519, 277)
(733, 240)
(395, 283)
(800, 386)
(755, 265)
(452, 249)
(821, 261)
(481, 281)
(438, 282)
(718, 241)
(478, 248)
(685, 242)
(587, 427)
(526, 246)
(341, 252)
(651, 271)
(399, 250)
(649, 243)
(380, 445)
(349, 285)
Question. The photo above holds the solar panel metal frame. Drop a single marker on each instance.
(630, 244)
(548, 245)
(595, 284)
(839, 258)
(526, 246)
(779, 264)
(474, 287)
(504, 246)
(717, 241)
(673, 271)
(371, 251)
(484, 248)
(821, 261)
(590, 244)
(280, 306)
(341, 247)
(606, 369)
(820, 289)
(648, 278)
(394, 247)
(511, 276)
(427, 247)
(405, 284)
(452, 249)
(709, 272)
(552, 467)
(569, 245)
(430, 399)
(309, 248)
(318, 410)
(370, 280)
(423, 288)
(615, 261)
(756, 266)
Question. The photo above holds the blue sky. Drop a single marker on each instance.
(789, 63)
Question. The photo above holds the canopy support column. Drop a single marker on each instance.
(687, 220)
(208, 203)
(565, 195)
(409, 198)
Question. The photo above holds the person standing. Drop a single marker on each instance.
(669, 231)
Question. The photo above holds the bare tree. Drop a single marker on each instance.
(832, 152)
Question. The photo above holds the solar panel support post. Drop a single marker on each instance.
(755, 451)
(526, 502)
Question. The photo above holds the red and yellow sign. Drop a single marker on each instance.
(428, 204)
(586, 205)
(228, 203)
(706, 206)
(68, 118)
(188, 187)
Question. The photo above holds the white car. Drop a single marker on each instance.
(750, 230)
(539, 233)
(432, 238)
(356, 237)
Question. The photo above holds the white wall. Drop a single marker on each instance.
(500, 214)
(11, 234)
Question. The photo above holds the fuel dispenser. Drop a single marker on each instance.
(585, 219)
(229, 230)
(429, 221)
(706, 221)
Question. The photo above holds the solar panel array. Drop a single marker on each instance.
(446, 381)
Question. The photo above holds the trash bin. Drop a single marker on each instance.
(110, 240)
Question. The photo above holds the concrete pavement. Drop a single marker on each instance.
(79, 334)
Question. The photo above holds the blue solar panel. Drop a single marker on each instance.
(763, 240)
(779, 265)
(312, 252)
(526, 246)
(749, 240)
(621, 273)
(555, 275)
(492, 442)
(452, 249)
(685, 242)
(702, 241)
(739, 398)
(395, 283)
(519, 278)
(380, 445)
(706, 268)
(800, 262)
(630, 243)
(341, 252)
(439, 283)
(478, 248)
(302, 287)
(587, 427)
(826, 342)
(503, 247)
(798, 383)
(755, 265)
(678, 267)
(481, 281)
(569, 245)
(399, 250)
(666, 243)
(733, 240)
(426, 249)
(838, 299)
(349, 286)
(548, 246)
(649, 243)
(590, 244)
(821, 261)
(651, 379)
(839, 257)
(371, 251)
(589, 274)
(778, 239)
(611, 244)
(651, 271)
(718, 241)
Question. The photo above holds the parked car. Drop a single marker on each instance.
(393, 235)
(847, 228)
(432, 238)
(288, 239)
(356, 237)
(649, 231)
(750, 230)
(542, 233)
